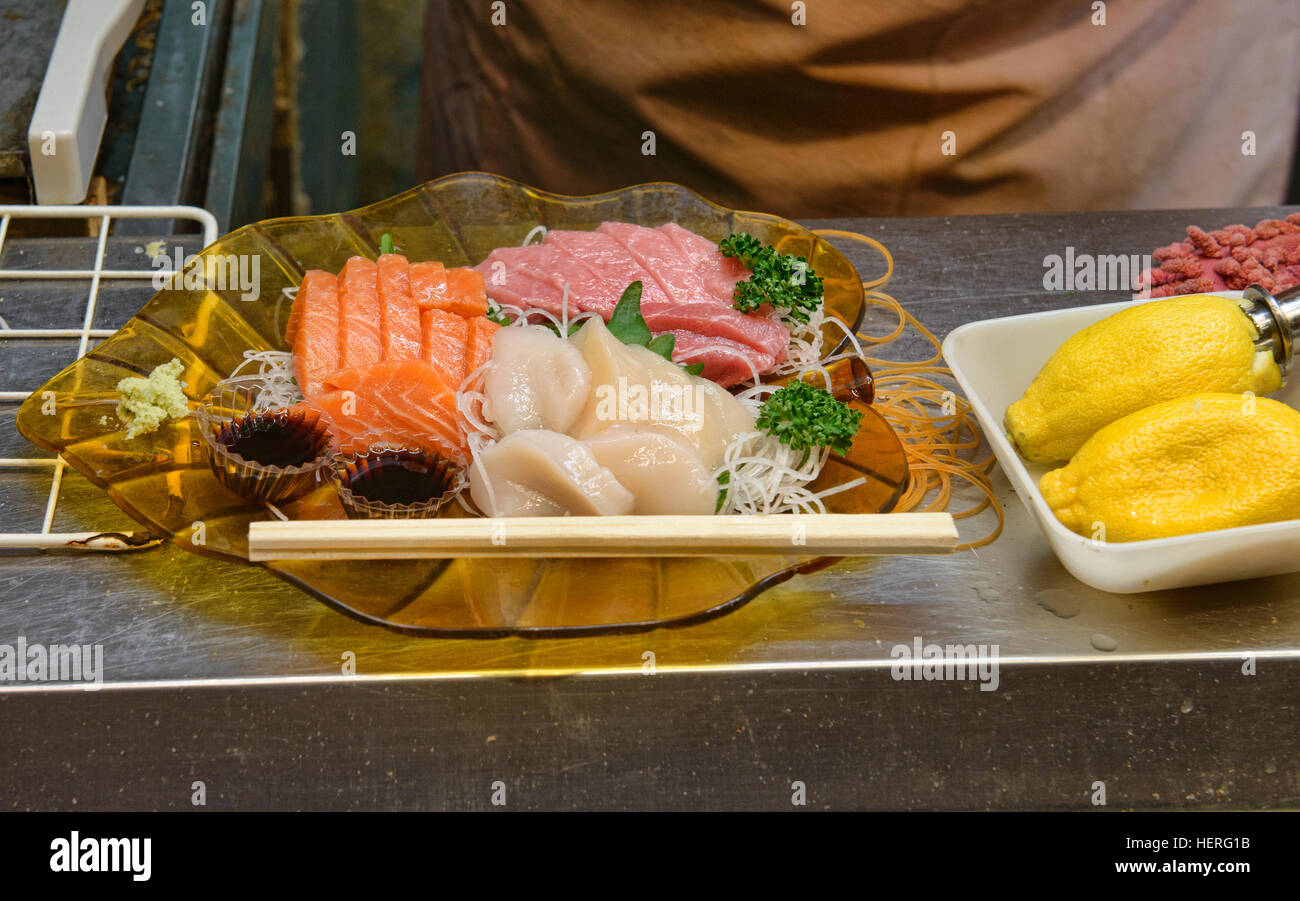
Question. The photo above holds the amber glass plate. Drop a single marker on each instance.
(163, 479)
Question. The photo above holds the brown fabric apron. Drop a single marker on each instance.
(849, 114)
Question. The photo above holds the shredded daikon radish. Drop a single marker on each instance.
(537, 316)
(472, 405)
(762, 475)
(806, 340)
(274, 368)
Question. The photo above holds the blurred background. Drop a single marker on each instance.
(250, 108)
(258, 108)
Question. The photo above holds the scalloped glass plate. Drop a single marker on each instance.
(164, 481)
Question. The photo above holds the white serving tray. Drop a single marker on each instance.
(995, 360)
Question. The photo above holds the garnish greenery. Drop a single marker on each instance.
(805, 416)
(629, 326)
(573, 327)
(500, 316)
(386, 244)
(724, 479)
(663, 345)
(782, 280)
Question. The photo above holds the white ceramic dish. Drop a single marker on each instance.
(995, 360)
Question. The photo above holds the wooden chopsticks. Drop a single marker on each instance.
(812, 535)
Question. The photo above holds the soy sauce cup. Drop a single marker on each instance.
(268, 455)
(386, 482)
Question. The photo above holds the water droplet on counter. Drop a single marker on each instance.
(1058, 601)
(1103, 642)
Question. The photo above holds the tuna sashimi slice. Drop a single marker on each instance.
(609, 267)
(659, 256)
(720, 274)
(551, 266)
(710, 320)
(725, 362)
(445, 337)
(399, 316)
(537, 278)
(359, 338)
(591, 288)
(508, 296)
(687, 287)
(603, 254)
(396, 402)
(509, 282)
(315, 321)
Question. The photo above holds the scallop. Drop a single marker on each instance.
(634, 385)
(537, 380)
(536, 472)
(661, 469)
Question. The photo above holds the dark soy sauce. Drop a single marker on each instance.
(398, 477)
(275, 438)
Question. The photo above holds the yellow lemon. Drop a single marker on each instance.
(1201, 462)
(1146, 354)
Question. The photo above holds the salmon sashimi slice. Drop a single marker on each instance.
(315, 321)
(445, 337)
(355, 424)
(359, 338)
(466, 293)
(396, 402)
(296, 311)
(478, 342)
(429, 285)
(399, 316)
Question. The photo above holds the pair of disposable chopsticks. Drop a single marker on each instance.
(812, 535)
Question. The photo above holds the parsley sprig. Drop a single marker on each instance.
(782, 280)
(805, 416)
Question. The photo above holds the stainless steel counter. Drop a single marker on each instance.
(241, 675)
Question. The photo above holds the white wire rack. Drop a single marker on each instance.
(47, 538)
